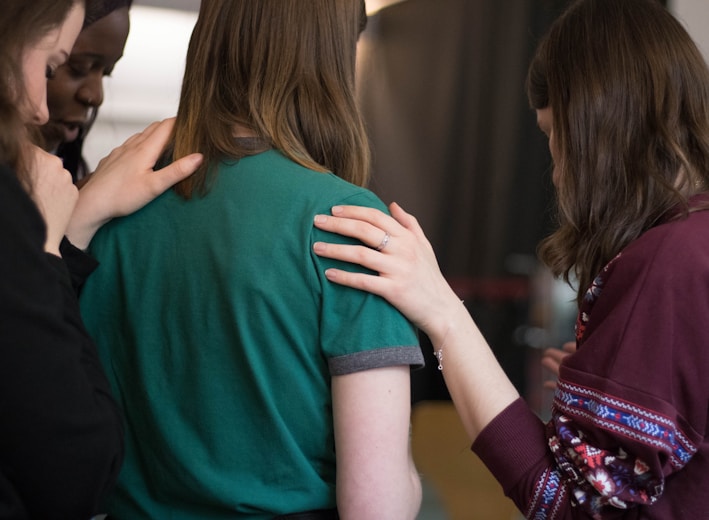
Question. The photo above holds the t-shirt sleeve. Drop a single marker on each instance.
(359, 330)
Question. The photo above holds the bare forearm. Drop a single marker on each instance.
(400, 500)
(478, 385)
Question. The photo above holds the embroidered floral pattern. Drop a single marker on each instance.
(596, 478)
(590, 298)
(601, 478)
(624, 418)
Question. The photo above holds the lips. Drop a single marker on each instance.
(70, 130)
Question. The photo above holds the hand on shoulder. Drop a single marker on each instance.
(125, 181)
(409, 276)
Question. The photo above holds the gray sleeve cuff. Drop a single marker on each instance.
(376, 358)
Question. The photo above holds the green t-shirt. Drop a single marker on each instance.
(220, 333)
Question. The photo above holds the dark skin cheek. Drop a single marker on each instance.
(60, 92)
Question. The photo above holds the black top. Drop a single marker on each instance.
(61, 435)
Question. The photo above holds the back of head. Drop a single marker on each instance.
(629, 93)
(284, 70)
(22, 24)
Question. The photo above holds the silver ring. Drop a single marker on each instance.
(384, 242)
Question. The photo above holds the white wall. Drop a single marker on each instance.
(146, 83)
(694, 14)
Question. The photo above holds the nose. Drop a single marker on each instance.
(41, 113)
(91, 91)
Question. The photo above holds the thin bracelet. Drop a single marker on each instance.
(438, 354)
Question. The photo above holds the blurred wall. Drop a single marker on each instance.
(695, 16)
(146, 82)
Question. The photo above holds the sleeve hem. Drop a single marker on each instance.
(376, 358)
(512, 444)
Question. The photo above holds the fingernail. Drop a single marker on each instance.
(318, 247)
(336, 210)
(320, 219)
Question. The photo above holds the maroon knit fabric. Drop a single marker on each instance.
(628, 435)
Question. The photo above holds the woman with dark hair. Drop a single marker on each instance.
(75, 90)
(251, 392)
(61, 439)
(623, 94)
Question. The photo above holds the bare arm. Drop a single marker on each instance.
(125, 181)
(410, 279)
(376, 477)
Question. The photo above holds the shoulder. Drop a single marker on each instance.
(668, 257)
(274, 172)
(10, 186)
(665, 271)
(674, 246)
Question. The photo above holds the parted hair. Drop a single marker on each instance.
(22, 23)
(283, 69)
(629, 93)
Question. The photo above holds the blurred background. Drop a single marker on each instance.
(441, 85)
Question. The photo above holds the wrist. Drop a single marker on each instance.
(85, 221)
(449, 318)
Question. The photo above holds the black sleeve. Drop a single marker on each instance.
(80, 264)
(61, 438)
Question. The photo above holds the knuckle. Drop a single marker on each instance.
(360, 254)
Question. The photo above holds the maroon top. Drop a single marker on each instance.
(628, 434)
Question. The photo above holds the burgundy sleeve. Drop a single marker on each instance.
(514, 448)
(630, 410)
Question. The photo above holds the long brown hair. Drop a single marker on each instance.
(283, 69)
(22, 24)
(629, 93)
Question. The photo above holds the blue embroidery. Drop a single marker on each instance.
(627, 419)
(548, 496)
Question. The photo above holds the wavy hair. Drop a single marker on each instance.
(629, 94)
(283, 69)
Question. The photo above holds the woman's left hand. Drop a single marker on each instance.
(552, 358)
(125, 181)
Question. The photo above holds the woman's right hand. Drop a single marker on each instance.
(409, 276)
(125, 181)
(410, 279)
(54, 193)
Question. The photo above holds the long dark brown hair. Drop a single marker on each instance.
(629, 93)
(22, 24)
(284, 69)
